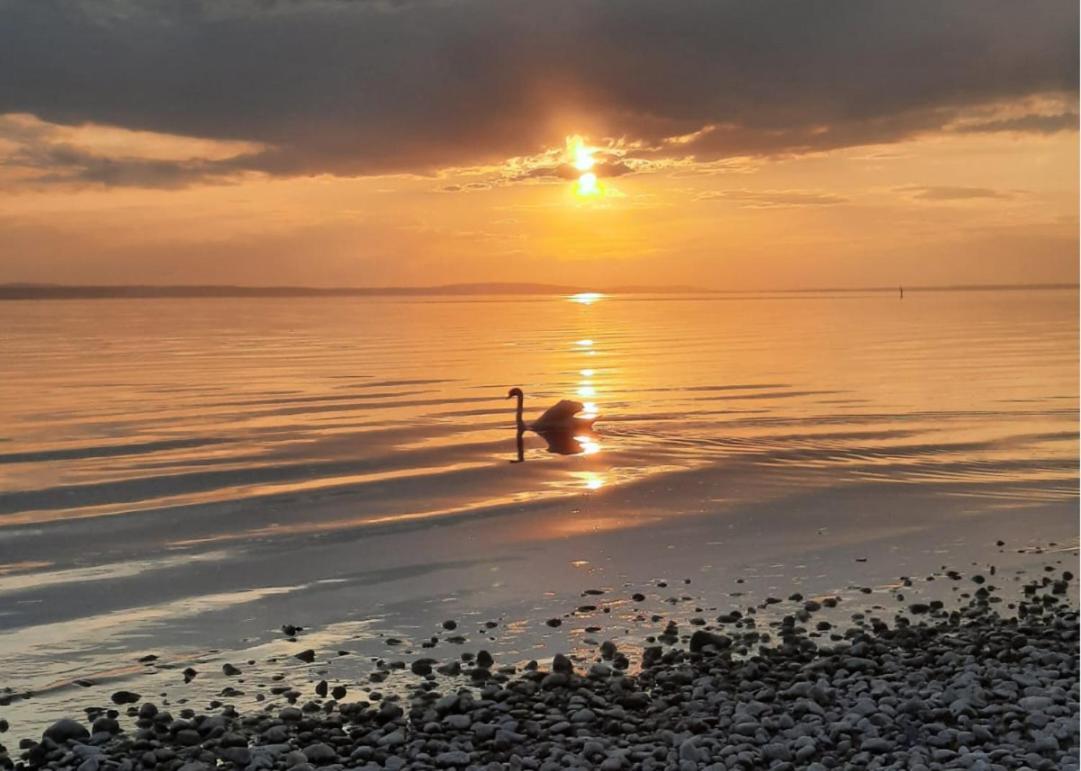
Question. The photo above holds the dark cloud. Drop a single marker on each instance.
(377, 87)
(65, 163)
(567, 171)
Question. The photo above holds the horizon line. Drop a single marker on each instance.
(35, 290)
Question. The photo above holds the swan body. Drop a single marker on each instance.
(561, 426)
(561, 416)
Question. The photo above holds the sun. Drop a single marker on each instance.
(587, 184)
(583, 156)
(580, 156)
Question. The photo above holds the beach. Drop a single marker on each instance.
(985, 678)
(182, 479)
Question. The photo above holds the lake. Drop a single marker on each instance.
(182, 477)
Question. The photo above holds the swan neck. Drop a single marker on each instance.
(518, 412)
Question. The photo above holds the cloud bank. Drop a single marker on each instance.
(367, 87)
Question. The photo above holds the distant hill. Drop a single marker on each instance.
(31, 291)
(25, 291)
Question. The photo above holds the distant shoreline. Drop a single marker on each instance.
(149, 291)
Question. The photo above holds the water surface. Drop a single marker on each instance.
(186, 475)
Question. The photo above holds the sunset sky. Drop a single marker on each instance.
(729, 145)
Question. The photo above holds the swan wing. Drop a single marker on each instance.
(559, 414)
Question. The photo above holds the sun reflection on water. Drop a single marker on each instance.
(592, 480)
(590, 445)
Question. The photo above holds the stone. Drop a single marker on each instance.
(701, 638)
(320, 754)
(65, 730)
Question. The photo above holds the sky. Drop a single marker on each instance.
(727, 145)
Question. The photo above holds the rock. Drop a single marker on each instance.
(421, 667)
(600, 669)
(294, 758)
(230, 670)
(651, 655)
(562, 664)
(1035, 703)
(457, 722)
(393, 739)
(484, 659)
(307, 656)
(276, 734)
(776, 751)
(125, 697)
(451, 669)
(105, 725)
(66, 730)
(453, 759)
(701, 638)
(320, 754)
(555, 680)
(187, 737)
(238, 756)
(876, 745)
(554, 622)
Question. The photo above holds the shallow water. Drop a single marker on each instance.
(178, 476)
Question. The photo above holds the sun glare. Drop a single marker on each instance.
(580, 156)
(587, 184)
(583, 156)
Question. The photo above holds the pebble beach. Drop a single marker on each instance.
(985, 680)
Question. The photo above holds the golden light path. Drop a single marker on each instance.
(589, 443)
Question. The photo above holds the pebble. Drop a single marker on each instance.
(66, 729)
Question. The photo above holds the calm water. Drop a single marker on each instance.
(189, 474)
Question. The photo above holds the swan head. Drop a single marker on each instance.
(515, 392)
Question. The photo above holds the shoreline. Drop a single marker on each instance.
(735, 691)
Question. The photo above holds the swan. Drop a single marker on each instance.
(559, 418)
(561, 426)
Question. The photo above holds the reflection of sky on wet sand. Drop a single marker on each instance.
(173, 465)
